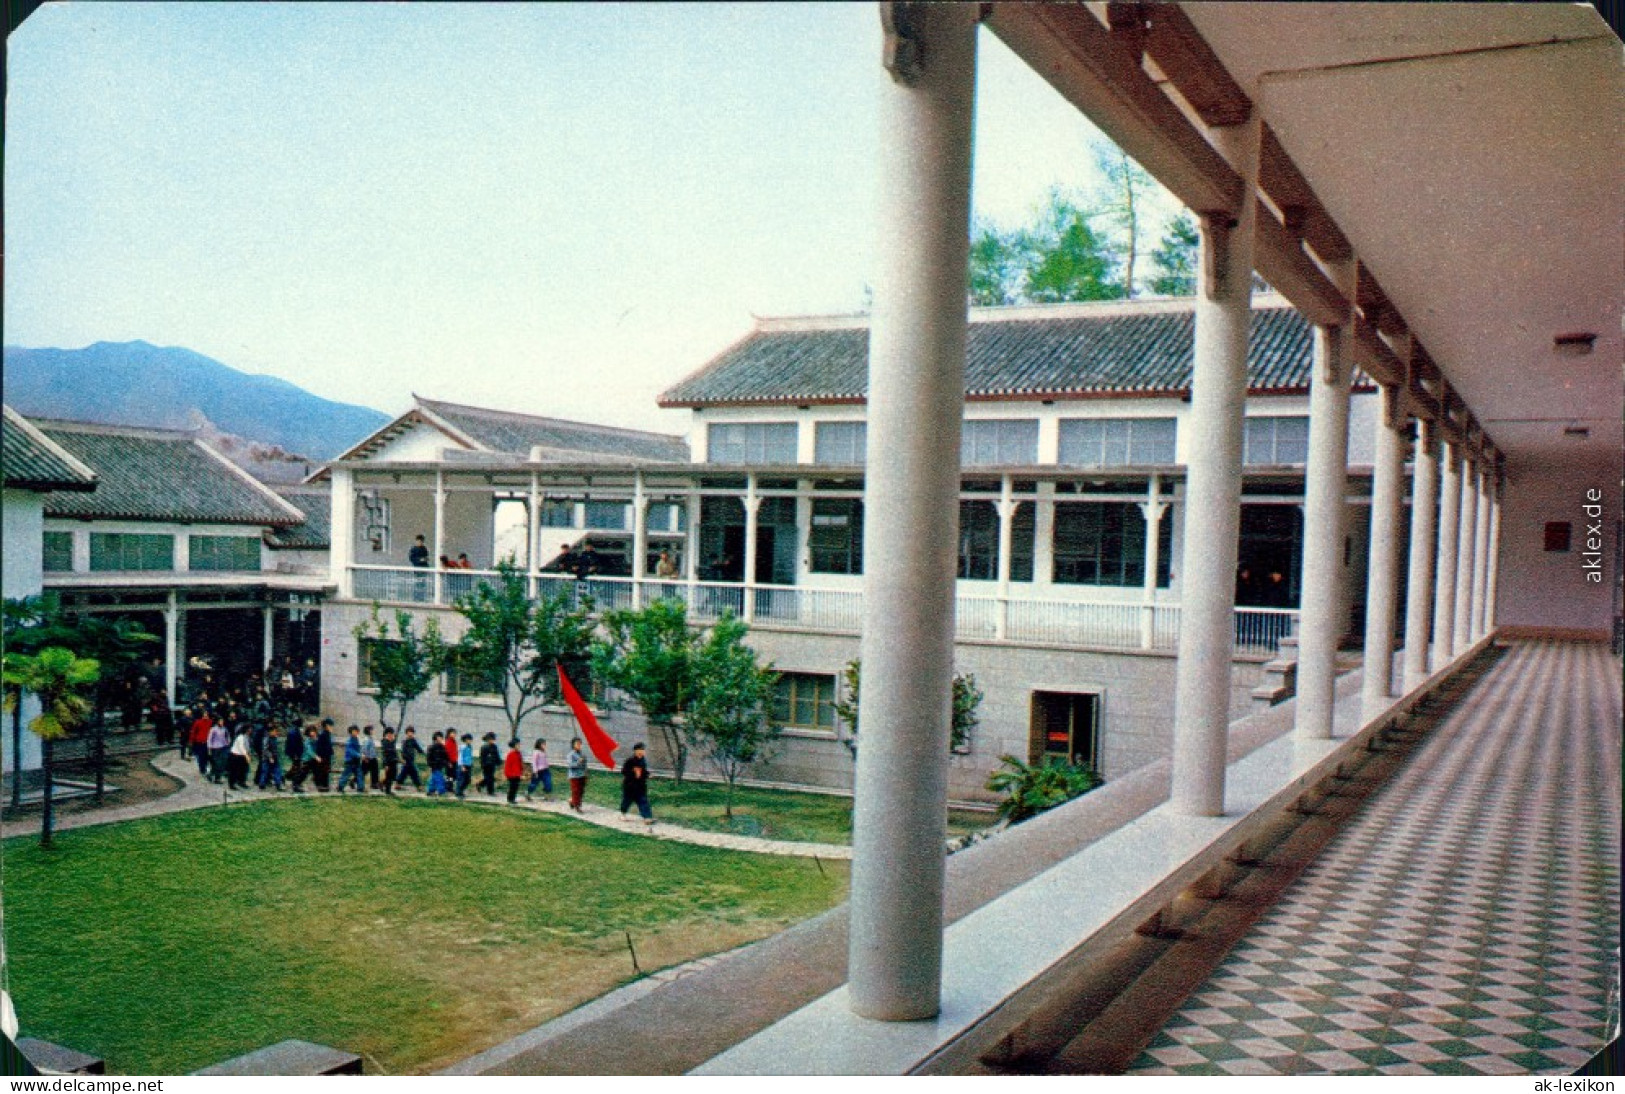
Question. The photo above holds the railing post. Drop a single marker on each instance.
(753, 503)
(1007, 539)
(640, 538)
(1151, 509)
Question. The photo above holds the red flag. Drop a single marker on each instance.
(602, 744)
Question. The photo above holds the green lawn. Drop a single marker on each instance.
(771, 814)
(414, 932)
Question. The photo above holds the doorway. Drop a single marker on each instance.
(1066, 727)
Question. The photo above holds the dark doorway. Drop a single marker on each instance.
(232, 640)
(1268, 557)
(1065, 726)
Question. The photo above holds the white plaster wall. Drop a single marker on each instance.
(420, 443)
(1537, 588)
(1364, 408)
(468, 526)
(411, 514)
(20, 575)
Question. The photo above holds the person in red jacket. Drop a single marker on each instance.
(200, 741)
(513, 769)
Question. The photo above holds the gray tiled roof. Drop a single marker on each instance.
(314, 533)
(1116, 349)
(150, 474)
(32, 461)
(516, 434)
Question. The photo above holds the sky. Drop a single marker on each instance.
(554, 209)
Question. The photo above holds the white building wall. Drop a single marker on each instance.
(1547, 591)
(419, 443)
(24, 518)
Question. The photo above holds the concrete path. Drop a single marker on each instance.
(199, 793)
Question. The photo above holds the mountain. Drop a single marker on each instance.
(168, 387)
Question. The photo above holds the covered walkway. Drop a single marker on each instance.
(1465, 922)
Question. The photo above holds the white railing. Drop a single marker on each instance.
(1126, 625)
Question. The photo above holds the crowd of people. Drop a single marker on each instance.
(243, 738)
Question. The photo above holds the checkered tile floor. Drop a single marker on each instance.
(1466, 922)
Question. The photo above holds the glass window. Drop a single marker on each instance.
(1267, 441)
(462, 678)
(558, 513)
(1103, 543)
(224, 553)
(835, 541)
(751, 443)
(1116, 442)
(607, 515)
(805, 700)
(366, 649)
(111, 551)
(840, 442)
(58, 552)
(978, 541)
(996, 443)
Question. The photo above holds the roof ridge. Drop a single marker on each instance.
(143, 432)
(34, 433)
(543, 419)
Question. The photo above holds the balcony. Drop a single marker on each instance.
(1069, 623)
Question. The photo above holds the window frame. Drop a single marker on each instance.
(124, 542)
(1137, 434)
(854, 447)
(211, 545)
(746, 444)
(786, 701)
(1007, 433)
(47, 552)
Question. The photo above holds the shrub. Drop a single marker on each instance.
(1030, 789)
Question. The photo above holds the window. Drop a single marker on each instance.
(1116, 442)
(1066, 727)
(1557, 535)
(840, 442)
(753, 442)
(835, 541)
(366, 649)
(607, 515)
(58, 552)
(805, 700)
(558, 513)
(994, 443)
(1103, 543)
(465, 679)
(1275, 441)
(126, 551)
(224, 553)
(978, 541)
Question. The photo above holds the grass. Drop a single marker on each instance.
(770, 814)
(413, 932)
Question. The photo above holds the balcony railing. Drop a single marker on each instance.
(1051, 622)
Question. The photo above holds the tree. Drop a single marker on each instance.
(1175, 258)
(58, 678)
(1123, 198)
(20, 625)
(403, 665)
(997, 266)
(118, 646)
(729, 713)
(519, 644)
(966, 698)
(648, 653)
(1071, 261)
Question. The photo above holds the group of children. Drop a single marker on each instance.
(224, 751)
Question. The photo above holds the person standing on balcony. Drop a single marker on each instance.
(576, 765)
(586, 563)
(666, 567)
(635, 785)
(418, 556)
(410, 751)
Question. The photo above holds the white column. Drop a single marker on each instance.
(753, 503)
(640, 538)
(1007, 539)
(1321, 620)
(1444, 582)
(916, 393)
(1494, 556)
(1213, 430)
(437, 589)
(268, 642)
(1382, 559)
(1481, 550)
(1044, 534)
(533, 537)
(172, 648)
(1419, 582)
(1152, 510)
(341, 531)
(1465, 542)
